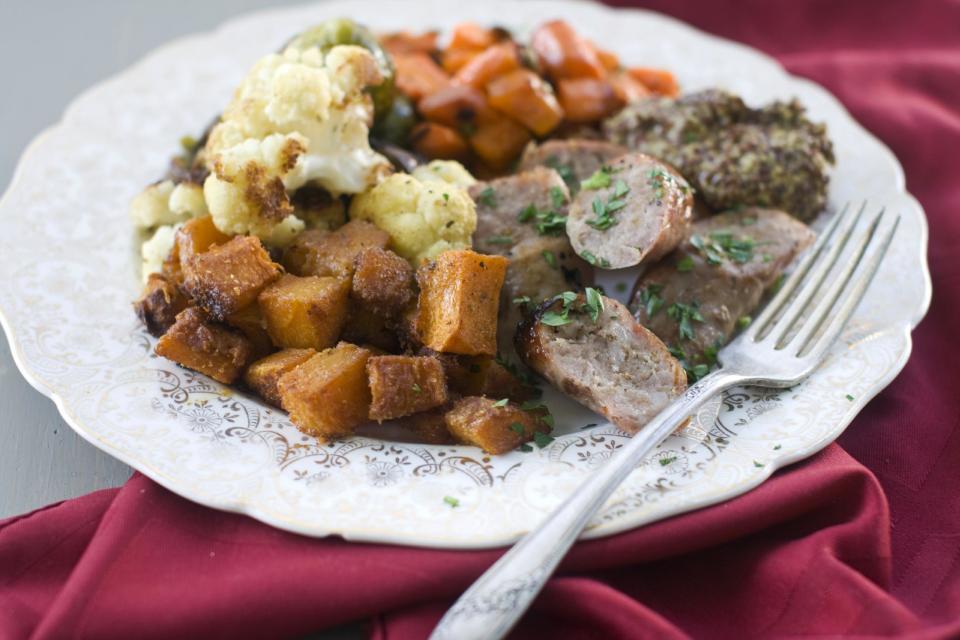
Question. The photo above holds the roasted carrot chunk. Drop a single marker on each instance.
(564, 54)
(587, 99)
(327, 396)
(403, 385)
(457, 106)
(418, 75)
(525, 97)
(470, 35)
(491, 425)
(608, 59)
(262, 376)
(159, 304)
(455, 59)
(433, 140)
(196, 343)
(495, 61)
(401, 42)
(317, 252)
(459, 298)
(656, 80)
(227, 277)
(305, 312)
(499, 142)
(627, 88)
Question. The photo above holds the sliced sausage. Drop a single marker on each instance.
(575, 159)
(694, 299)
(640, 216)
(611, 365)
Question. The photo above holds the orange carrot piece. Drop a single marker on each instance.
(455, 59)
(469, 35)
(608, 59)
(433, 140)
(496, 61)
(456, 106)
(564, 54)
(528, 99)
(418, 75)
(587, 99)
(657, 80)
(401, 42)
(499, 142)
(627, 88)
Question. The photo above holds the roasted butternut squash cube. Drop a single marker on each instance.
(227, 277)
(160, 303)
(196, 236)
(317, 252)
(428, 427)
(459, 298)
(249, 321)
(328, 396)
(262, 376)
(196, 343)
(404, 385)
(493, 427)
(382, 282)
(305, 312)
(364, 327)
(483, 376)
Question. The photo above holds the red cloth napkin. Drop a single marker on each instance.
(862, 540)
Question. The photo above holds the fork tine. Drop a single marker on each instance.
(793, 313)
(854, 294)
(790, 284)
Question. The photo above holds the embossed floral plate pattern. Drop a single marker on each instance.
(69, 271)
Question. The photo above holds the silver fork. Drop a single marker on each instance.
(786, 342)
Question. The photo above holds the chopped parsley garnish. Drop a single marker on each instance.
(189, 143)
(446, 197)
(710, 353)
(565, 171)
(589, 425)
(657, 176)
(722, 245)
(522, 301)
(542, 439)
(416, 388)
(743, 322)
(778, 283)
(592, 306)
(517, 428)
(778, 447)
(550, 258)
(650, 298)
(685, 315)
(604, 210)
(599, 180)
(450, 500)
(501, 402)
(594, 260)
(557, 197)
(488, 197)
(665, 461)
(757, 464)
(547, 221)
(685, 264)
(500, 240)
(850, 397)
(525, 448)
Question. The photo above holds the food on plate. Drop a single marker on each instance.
(328, 396)
(697, 297)
(459, 301)
(733, 155)
(197, 343)
(408, 228)
(263, 375)
(636, 209)
(403, 385)
(591, 348)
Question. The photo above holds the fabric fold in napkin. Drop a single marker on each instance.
(861, 540)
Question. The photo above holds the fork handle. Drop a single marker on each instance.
(497, 600)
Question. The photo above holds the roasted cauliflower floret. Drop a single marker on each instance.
(424, 217)
(155, 250)
(449, 171)
(299, 118)
(167, 203)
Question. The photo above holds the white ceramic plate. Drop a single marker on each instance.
(69, 271)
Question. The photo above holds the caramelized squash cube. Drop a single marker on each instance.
(160, 303)
(317, 252)
(428, 427)
(328, 396)
(227, 277)
(459, 298)
(196, 236)
(305, 312)
(249, 321)
(382, 282)
(404, 385)
(495, 429)
(262, 376)
(196, 343)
